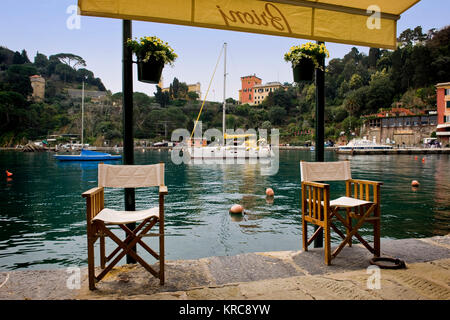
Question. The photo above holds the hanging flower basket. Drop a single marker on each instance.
(150, 71)
(152, 54)
(304, 70)
(305, 59)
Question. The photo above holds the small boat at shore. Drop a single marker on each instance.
(364, 144)
(87, 155)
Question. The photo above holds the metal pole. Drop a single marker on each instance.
(128, 145)
(320, 123)
(224, 126)
(82, 115)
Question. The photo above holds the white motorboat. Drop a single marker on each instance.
(364, 144)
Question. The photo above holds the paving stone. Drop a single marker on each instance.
(414, 250)
(249, 267)
(350, 258)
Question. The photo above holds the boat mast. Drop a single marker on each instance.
(82, 115)
(224, 91)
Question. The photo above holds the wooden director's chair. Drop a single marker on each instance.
(361, 202)
(99, 218)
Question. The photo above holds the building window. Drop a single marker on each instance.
(407, 122)
(446, 119)
(447, 104)
(447, 92)
(424, 121)
(433, 120)
(250, 97)
(392, 122)
(375, 123)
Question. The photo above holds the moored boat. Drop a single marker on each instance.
(364, 144)
(87, 155)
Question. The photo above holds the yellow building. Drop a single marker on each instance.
(261, 91)
(191, 88)
(38, 85)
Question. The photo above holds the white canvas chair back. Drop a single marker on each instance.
(325, 171)
(130, 176)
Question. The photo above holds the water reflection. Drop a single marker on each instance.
(42, 217)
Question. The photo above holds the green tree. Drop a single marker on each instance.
(18, 78)
(193, 95)
(356, 82)
(65, 72)
(40, 61)
(374, 56)
(277, 114)
(161, 97)
(69, 59)
(12, 111)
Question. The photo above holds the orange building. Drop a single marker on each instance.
(443, 110)
(246, 94)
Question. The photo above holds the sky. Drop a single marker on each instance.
(41, 26)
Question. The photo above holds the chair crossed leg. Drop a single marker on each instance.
(126, 247)
(352, 231)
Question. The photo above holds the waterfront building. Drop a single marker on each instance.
(400, 125)
(443, 112)
(38, 85)
(246, 93)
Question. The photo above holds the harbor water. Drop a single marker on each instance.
(43, 219)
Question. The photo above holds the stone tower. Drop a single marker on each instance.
(38, 85)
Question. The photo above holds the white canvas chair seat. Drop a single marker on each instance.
(111, 216)
(347, 202)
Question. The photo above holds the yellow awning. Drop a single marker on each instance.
(358, 22)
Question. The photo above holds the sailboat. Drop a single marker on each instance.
(235, 146)
(86, 155)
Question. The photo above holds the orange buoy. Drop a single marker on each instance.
(8, 174)
(423, 159)
(415, 183)
(237, 209)
(269, 192)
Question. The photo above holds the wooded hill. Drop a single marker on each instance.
(355, 86)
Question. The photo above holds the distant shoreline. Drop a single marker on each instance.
(399, 151)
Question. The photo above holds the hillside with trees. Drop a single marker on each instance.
(23, 119)
(356, 85)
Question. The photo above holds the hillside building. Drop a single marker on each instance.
(246, 93)
(443, 112)
(261, 91)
